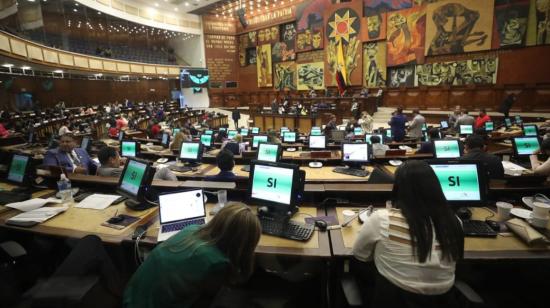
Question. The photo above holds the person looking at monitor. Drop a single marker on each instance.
(541, 168)
(378, 148)
(189, 268)
(482, 118)
(366, 121)
(235, 145)
(69, 157)
(475, 149)
(415, 245)
(179, 138)
(427, 147)
(397, 124)
(331, 125)
(111, 165)
(225, 161)
(415, 126)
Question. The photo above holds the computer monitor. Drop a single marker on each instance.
(424, 127)
(121, 135)
(315, 131)
(86, 144)
(257, 139)
(463, 182)
(244, 132)
(270, 152)
(367, 138)
(356, 154)
(447, 148)
(222, 129)
(275, 185)
(206, 140)
(388, 133)
(129, 148)
(507, 122)
(524, 146)
(254, 130)
(518, 120)
(191, 152)
(444, 124)
(317, 142)
(357, 131)
(208, 132)
(466, 129)
(283, 130)
(19, 166)
(135, 179)
(231, 134)
(489, 126)
(176, 131)
(289, 137)
(530, 130)
(165, 141)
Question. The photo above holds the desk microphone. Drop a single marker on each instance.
(369, 209)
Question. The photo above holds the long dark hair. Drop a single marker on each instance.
(418, 194)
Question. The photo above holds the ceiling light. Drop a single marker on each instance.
(156, 4)
(58, 71)
(7, 65)
(186, 3)
(75, 10)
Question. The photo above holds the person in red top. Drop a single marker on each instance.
(482, 118)
(113, 130)
(3, 131)
(121, 122)
(155, 129)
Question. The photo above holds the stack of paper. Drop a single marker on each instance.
(39, 215)
(512, 169)
(97, 201)
(32, 204)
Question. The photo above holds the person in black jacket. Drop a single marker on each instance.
(507, 104)
(475, 150)
(236, 116)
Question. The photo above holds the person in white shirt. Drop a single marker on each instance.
(415, 127)
(64, 129)
(366, 122)
(378, 149)
(541, 168)
(414, 246)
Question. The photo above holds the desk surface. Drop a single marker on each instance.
(504, 246)
(317, 246)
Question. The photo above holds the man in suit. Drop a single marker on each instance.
(111, 165)
(475, 150)
(415, 127)
(69, 157)
(236, 116)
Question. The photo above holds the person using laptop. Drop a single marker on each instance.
(427, 146)
(541, 168)
(475, 149)
(415, 245)
(226, 161)
(189, 268)
(69, 157)
(112, 165)
(378, 148)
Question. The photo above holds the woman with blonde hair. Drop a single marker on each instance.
(190, 267)
(177, 141)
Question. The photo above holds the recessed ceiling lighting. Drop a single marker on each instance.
(156, 4)
(176, 9)
(186, 3)
(25, 67)
(7, 65)
(75, 10)
(58, 71)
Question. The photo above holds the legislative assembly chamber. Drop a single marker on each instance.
(275, 153)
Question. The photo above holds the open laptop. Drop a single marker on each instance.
(178, 210)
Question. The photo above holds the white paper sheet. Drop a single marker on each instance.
(32, 204)
(39, 215)
(97, 201)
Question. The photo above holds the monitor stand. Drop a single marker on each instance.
(137, 205)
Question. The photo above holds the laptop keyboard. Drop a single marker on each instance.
(477, 228)
(182, 224)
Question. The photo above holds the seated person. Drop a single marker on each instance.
(474, 149)
(155, 129)
(64, 129)
(69, 157)
(414, 246)
(427, 147)
(113, 130)
(541, 168)
(3, 131)
(179, 138)
(111, 162)
(221, 137)
(189, 268)
(235, 145)
(226, 162)
(272, 136)
(378, 149)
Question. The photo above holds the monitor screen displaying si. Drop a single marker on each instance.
(507, 122)
(367, 138)
(459, 182)
(357, 131)
(128, 149)
(208, 132)
(18, 168)
(257, 139)
(132, 177)
(447, 148)
(355, 152)
(289, 137)
(317, 142)
(272, 184)
(525, 145)
(231, 134)
(315, 131)
(466, 129)
(489, 126)
(530, 130)
(190, 151)
(283, 130)
(206, 140)
(244, 132)
(268, 152)
(444, 124)
(255, 130)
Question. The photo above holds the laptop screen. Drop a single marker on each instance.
(357, 131)
(206, 140)
(460, 182)
(244, 132)
(446, 148)
(181, 205)
(255, 130)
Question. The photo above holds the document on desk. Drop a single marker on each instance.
(32, 204)
(97, 201)
(512, 169)
(39, 215)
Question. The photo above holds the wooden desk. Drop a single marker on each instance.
(501, 247)
(317, 246)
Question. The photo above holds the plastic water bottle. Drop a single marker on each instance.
(64, 187)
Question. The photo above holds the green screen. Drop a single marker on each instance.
(315, 131)
(489, 126)
(258, 139)
(388, 133)
(244, 132)
(208, 132)
(527, 145)
(176, 131)
(128, 149)
(132, 177)
(284, 129)
(530, 130)
(459, 182)
(255, 130)
(446, 149)
(17, 168)
(231, 134)
(272, 184)
(189, 150)
(289, 137)
(466, 129)
(357, 131)
(206, 140)
(268, 152)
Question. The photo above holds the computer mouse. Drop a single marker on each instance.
(493, 225)
(291, 149)
(162, 160)
(315, 164)
(464, 213)
(321, 224)
(395, 162)
(115, 219)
